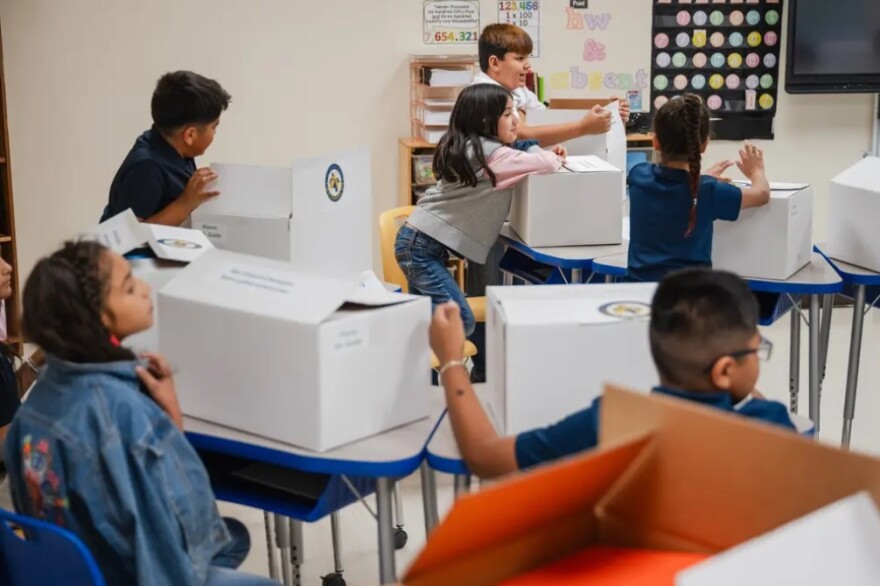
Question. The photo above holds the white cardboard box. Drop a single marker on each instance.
(157, 273)
(569, 208)
(853, 236)
(307, 214)
(836, 544)
(310, 360)
(773, 241)
(551, 348)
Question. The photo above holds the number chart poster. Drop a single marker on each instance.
(526, 15)
(727, 52)
(454, 22)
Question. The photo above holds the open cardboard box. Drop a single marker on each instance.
(668, 475)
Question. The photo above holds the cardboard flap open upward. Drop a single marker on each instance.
(524, 522)
(714, 480)
(251, 191)
(122, 233)
(259, 286)
(865, 175)
(177, 244)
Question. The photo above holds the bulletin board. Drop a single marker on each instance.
(727, 52)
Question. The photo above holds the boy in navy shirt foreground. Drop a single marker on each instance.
(706, 347)
(158, 179)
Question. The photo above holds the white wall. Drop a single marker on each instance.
(79, 75)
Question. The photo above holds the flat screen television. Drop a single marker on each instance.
(833, 46)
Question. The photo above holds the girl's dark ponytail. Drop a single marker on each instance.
(691, 113)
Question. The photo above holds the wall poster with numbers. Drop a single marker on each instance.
(526, 15)
(451, 21)
(727, 52)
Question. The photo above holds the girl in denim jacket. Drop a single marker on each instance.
(98, 447)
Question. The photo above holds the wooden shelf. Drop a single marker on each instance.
(5, 239)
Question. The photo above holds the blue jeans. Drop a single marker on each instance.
(222, 571)
(423, 262)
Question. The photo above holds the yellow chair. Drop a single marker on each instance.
(389, 223)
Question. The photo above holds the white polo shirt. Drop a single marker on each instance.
(523, 98)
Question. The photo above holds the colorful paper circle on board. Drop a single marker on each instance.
(766, 81)
(680, 82)
(661, 40)
(683, 18)
(699, 38)
(735, 39)
(679, 59)
(766, 101)
(661, 82)
(752, 82)
(753, 60)
(753, 17)
(659, 101)
(682, 39)
(717, 39)
(663, 60)
(716, 18)
(717, 60)
(699, 60)
(699, 81)
(736, 18)
(754, 39)
(735, 60)
(769, 60)
(716, 82)
(700, 18)
(772, 17)
(770, 38)
(714, 102)
(732, 81)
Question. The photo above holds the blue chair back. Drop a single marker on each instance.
(45, 555)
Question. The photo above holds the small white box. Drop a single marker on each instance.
(773, 241)
(578, 205)
(853, 236)
(310, 360)
(550, 349)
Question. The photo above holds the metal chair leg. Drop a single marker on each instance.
(270, 546)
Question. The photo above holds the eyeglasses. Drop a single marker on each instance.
(763, 352)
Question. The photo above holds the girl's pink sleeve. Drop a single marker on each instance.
(512, 166)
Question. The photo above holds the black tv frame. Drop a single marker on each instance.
(825, 83)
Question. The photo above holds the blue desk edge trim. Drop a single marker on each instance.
(553, 261)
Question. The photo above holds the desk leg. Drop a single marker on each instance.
(296, 549)
(794, 360)
(282, 541)
(270, 546)
(387, 572)
(462, 485)
(577, 275)
(827, 308)
(429, 497)
(506, 279)
(815, 331)
(337, 543)
(852, 372)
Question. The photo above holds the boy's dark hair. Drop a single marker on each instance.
(697, 316)
(475, 116)
(63, 300)
(500, 39)
(682, 126)
(184, 98)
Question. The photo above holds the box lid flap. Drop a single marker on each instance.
(583, 304)
(251, 191)
(260, 286)
(587, 164)
(178, 244)
(865, 175)
(837, 544)
(122, 233)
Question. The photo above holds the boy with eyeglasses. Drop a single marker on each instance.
(706, 348)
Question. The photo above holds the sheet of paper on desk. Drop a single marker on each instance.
(122, 233)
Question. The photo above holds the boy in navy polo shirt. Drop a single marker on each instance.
(706, 347)
(158, 179)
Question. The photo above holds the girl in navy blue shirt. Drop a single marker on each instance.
(673, 206)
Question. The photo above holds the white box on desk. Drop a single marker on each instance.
(309, 360)
(569, 208)
(550, 349)
(773, 241)
(852, 218)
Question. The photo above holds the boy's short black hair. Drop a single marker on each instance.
(184, 98)
(501, 39)
(697, 316)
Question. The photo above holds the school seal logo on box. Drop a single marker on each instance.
(626, 309)
(334, 182)
(178, 243)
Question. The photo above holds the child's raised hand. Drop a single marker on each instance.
(751, 161)
(718, 169)
(560, 151)
(447, 333)
(197, 189)
(623, 105)
(159, 381)
(596, 121)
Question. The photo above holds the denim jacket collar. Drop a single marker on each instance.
(123, 369)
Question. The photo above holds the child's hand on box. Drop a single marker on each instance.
(751, 161)
(623, 105)
(560, 151)
(718, 169)
(596, 121)
(447, 333)
(159, 381)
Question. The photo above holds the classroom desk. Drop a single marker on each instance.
(819, 281)
(574, 258)
(385, 457)
(860, 279)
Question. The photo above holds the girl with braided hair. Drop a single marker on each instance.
(98, 446)
(673, 204)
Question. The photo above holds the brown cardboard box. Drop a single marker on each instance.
(668, 475)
